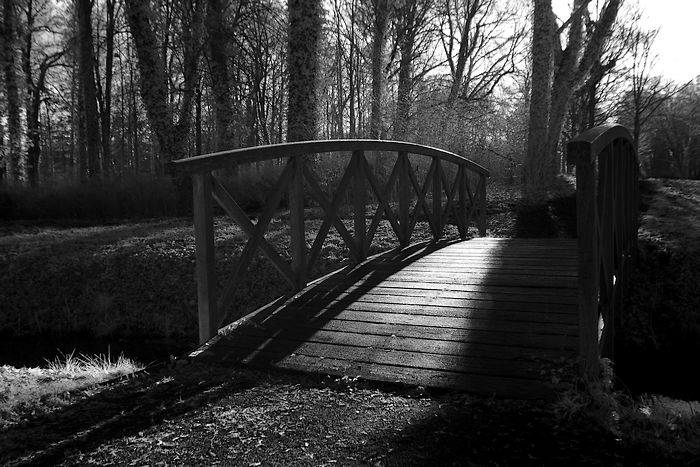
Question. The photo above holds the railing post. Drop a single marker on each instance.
(296, 221)
(404, 198)
(588, 256)
(462, 181)
(482, 205)
(204, 244)
(360, 201)
(437, 198)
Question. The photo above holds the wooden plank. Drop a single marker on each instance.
(280, 348)
(477, 278)
(487, 385)
(401, 302)
(204, 252)
(466, 322)
(406, 344)
(476, 286)
(447, 295)
(497, 314)
(428, 318)
(458, 269)
(552, 255)
(271, 327)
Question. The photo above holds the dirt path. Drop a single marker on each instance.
(206, 415)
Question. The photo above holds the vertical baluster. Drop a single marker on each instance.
(482, 205)
(404, 198)
(204, 244)
(437, 199)
(360, 201)
(462, 181)
(296, 221)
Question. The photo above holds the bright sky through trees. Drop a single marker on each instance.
(678, 38)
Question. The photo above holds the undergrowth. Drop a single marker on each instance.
(652, 429)
(138, 279)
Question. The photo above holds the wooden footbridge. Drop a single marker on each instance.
(484, 315)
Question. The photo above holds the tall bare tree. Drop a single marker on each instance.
(414, 31)
(647, 92)
(556, 73)
(88, 88)
(14, 122)
(481, 39)
(380, 23)
(305, 20)
(217, 41)
(154, 78)
(104, 92)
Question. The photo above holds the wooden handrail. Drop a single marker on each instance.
(607, 200)
(218, 160)
(465, 199)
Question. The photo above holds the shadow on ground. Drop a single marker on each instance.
(126, 408)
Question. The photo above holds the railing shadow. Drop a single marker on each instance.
(123, 409)
(294, 323)
(518, 340)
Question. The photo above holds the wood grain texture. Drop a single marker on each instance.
(433, 316)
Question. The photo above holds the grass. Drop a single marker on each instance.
(27, 392)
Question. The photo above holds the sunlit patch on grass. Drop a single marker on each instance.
(26, 392)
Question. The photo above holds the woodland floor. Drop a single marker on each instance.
(198, 413)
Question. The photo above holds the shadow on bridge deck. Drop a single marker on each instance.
(489, 316)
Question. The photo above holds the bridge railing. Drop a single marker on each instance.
(607, 194)
(435, 197)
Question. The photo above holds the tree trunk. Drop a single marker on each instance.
(305, 20)
(463, 52)
(86, 60)
(539, 166)
(553, 84)
(218, 62)
(34, 135)
(106, 111)
(405, 86)
(14, 122)
(152, 79)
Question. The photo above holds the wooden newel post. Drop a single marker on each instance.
(588, 266)
(204, 244)
(296, 221)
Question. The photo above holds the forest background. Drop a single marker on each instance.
(98, 95)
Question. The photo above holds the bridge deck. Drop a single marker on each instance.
(487, 315)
